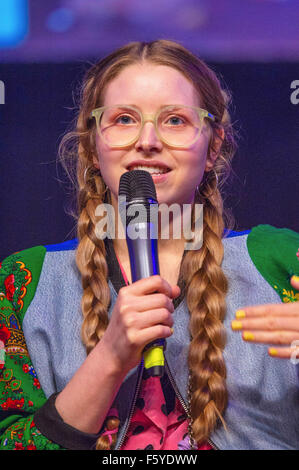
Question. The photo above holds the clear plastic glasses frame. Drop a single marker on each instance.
(153, 117)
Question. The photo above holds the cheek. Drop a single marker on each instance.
(197, 157)
(104, 157)
(108, 164)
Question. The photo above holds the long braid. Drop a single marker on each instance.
(92, 264)
(206, 287)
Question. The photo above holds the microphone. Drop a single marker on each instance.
(137, 193)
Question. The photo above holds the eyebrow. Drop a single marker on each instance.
(162, 106)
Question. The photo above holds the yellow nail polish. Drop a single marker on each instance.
(240, 314)
(236, 325)
(248, 336)
(273, 352)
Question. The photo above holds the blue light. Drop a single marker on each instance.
(60, 20)
(13, 22)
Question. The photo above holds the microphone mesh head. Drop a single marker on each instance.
(137, 184)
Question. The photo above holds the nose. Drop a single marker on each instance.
(149, 140)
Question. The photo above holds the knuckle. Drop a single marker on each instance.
(122, 295)
(161, 300)
(159, 281)
(271, 323)
(165, 301)
(122, 292)
(165, 314)
(279, 338)
(167, 317)
(128, 321)
(162, 331)
(123, 309)
(131, 338)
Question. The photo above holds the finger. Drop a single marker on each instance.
(130, 304)
(291, 308)
(155, 301)
(273, 337)
(176, 290)
(294, 281)
(148, 335)
(141, 320)
(153, 284)
(267, 323)
(291, 353)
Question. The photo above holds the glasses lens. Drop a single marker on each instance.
(119, 125)
(179, 126)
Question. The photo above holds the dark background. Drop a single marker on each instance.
(40, 106)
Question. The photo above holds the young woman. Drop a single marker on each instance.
(157, 107)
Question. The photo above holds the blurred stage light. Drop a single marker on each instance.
(13, 22)
(60, 20)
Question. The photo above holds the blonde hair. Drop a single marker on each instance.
(205, 283)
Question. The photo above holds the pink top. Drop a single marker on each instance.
(151, 427)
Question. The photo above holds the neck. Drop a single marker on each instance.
(169, 247)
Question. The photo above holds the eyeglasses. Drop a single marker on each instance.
(177, 126)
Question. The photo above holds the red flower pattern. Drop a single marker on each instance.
(13, 404)
(25, 368)
(36, 383)
(4, 333)
(19, 446)
(9, 286)
(31, 447)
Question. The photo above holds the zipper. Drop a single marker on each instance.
(181, 399)
(177, 392)
(133, 405)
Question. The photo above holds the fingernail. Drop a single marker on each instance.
(248, 336)
(236, 325)
(273, 352)
(240, 314)
(172, 330)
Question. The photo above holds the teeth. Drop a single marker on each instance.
(150, 169)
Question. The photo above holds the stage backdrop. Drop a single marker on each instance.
(38, 109)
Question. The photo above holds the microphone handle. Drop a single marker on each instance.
(143, 253)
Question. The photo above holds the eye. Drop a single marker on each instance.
(125, 119)
(175, 120)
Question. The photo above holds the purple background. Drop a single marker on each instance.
(219, 30)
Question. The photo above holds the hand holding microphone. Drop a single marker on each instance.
(142, 313)
(145, 319)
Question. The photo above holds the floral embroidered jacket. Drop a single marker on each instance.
(40, 321)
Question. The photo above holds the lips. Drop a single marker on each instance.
(147, 165)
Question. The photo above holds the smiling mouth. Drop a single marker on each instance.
(153, 170)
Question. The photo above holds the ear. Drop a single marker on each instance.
(96, 163)
(214, 149)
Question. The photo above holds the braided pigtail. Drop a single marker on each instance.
(92, 264)
(206, 286)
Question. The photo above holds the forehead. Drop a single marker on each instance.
(150, 86)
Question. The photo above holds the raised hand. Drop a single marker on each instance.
(273, 324)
